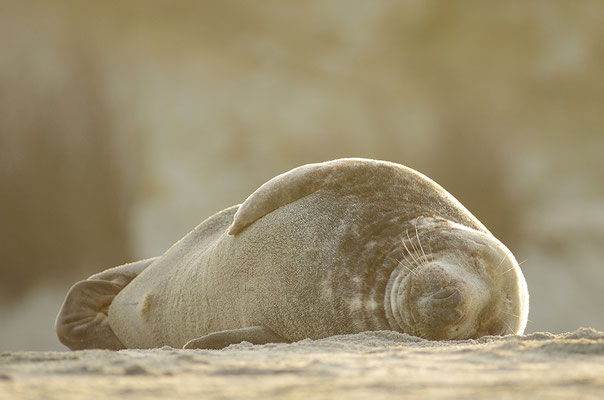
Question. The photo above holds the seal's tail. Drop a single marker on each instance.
(82, 321)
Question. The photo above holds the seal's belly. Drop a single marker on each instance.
(167, 303)
(136, 314)
(287, 274)
(163, 305)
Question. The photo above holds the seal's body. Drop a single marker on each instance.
(339, 247)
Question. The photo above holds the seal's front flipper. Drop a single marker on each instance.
(82, 321)
(222, 339)
(356, 174)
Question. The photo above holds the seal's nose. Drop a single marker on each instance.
(439, 310)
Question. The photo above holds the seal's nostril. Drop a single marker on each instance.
(448, 297)
(444, 292)
(441, 309)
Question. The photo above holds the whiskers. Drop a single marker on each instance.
(509, 269)
(416, 256)
(500, 263)
(506, 324)
(513, 267)
(503, 321)
(518, 317)
(408, 266)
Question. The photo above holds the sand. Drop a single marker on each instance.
(370, 365)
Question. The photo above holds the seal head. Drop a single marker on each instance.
(455, 282)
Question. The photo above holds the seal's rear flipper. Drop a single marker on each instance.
(222, 339)
(82, 321)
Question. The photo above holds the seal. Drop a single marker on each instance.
(325, 249)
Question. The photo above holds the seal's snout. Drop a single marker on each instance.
(440, 309)
(437, 302)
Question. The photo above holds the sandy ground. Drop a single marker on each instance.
(371, 365)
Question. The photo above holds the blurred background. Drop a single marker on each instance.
(125, 124)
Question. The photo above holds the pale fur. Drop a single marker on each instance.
(312, 253)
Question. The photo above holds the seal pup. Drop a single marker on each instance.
(331, 248)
